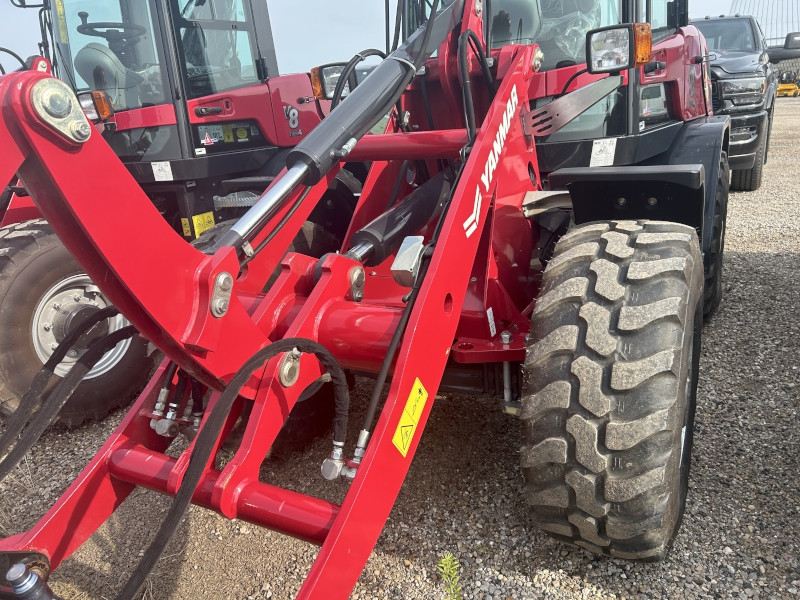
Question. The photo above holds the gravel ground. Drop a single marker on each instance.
(739, 538)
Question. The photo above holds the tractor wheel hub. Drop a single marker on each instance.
(73, 315)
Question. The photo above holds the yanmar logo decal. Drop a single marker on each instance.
(471, 224)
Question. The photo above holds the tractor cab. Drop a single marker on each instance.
(151, 59)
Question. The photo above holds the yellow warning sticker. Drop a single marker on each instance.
(410, 418)
(227, 133)
(187, 230)
(203, 222)
(62, 22)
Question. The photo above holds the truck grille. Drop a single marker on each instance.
(716, 101)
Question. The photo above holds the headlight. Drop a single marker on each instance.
(743, 91)
(610, 50)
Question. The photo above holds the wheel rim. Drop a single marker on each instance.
(71, 294)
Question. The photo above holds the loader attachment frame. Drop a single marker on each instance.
(164, 287)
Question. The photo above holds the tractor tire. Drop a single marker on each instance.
(749, 180)
(712, 293)
(610, 381)
(37, 270)
(312, 415)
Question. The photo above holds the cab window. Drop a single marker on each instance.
(218, 45)
(558, 26)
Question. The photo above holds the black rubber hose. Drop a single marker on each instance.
(33, 397)
(169, 376)
(206, 439)
(377, 391)
(180, 387)
(15, 55)
(427, 38)
(403, 322)
(397, 184)
(570, 80)
(348, 71)
(397, 19)
(60, 395)
(466, 85)
(426, 103)
(197, 396)
(487, 24)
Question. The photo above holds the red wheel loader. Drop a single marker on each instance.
(538, 223)
(189, 98)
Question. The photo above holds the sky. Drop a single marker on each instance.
(332, 30)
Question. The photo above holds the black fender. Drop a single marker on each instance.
(678, 185)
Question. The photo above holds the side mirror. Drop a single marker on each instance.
(618, 47)
(324, 79)
(792, 41)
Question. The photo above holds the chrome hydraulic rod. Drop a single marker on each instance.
(264, 209)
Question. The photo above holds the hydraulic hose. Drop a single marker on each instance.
(471, 38)
(32, 399)
(205, 442)
(60, 395)
(348, 71)
(15, 55)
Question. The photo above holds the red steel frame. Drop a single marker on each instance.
(163, 285)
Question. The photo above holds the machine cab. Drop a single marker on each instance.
(149, 68)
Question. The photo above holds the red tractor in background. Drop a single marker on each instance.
(197, 113)
(544, 220)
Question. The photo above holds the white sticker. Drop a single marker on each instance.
(199, 151)
(162, 171)
(603, 152)
(492, 326)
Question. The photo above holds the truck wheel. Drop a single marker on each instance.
(610, 380)
(712, 293)
(37, 274)
(313, 413)
(749, 180)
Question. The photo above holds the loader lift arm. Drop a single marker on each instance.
(168, 301)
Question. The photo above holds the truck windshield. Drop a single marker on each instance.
(110, 46)
(731, 35)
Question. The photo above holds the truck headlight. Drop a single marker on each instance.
(743, 91)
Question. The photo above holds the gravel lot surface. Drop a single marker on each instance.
(739, 539)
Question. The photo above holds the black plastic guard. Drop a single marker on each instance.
(662, 193)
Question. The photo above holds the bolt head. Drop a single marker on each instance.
(357, 277)
(77, 297)
(56, 306)
(652, 201)
(80, 130)
(225, 282)
(47, 326)
(221, 306)
(72, 353)
(53, 346)
(621, 201)
(56, 103)
(505, 337)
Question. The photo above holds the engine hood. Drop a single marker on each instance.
(738, 63)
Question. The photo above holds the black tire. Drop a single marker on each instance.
(32, 261)
(610, 380)
(712, 294)
(749, 180)
(311, 416)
